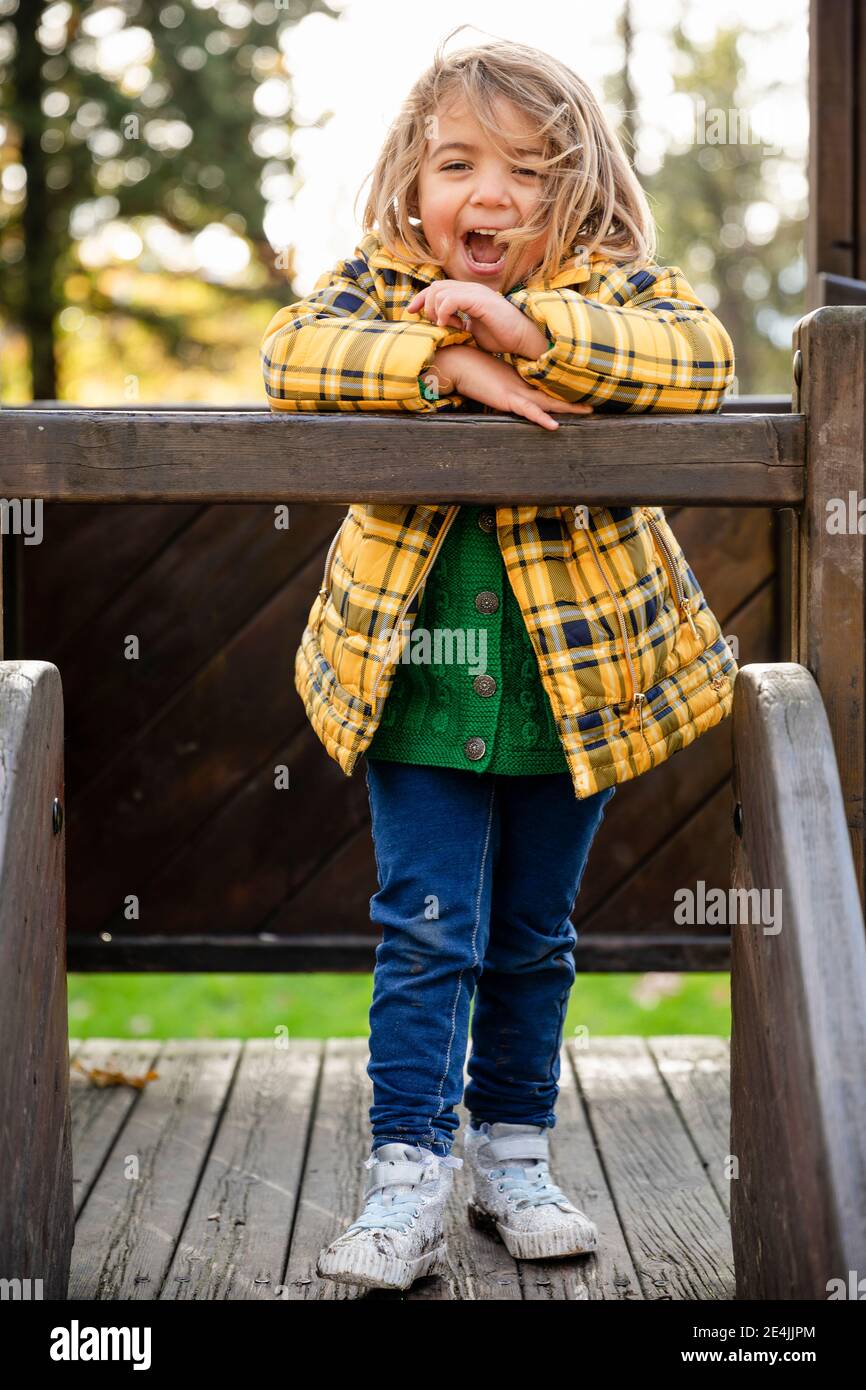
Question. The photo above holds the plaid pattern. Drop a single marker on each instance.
(631, 656)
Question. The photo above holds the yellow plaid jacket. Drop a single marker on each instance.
(631, 656)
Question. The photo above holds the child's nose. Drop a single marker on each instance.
(491, 190)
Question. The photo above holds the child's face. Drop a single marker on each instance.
(460, 190)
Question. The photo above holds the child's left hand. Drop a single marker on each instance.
(496, 325)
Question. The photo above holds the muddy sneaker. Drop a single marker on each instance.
(515, 1198)
(399, 1236)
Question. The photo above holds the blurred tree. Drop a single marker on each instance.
(137, 110)
(722, 216)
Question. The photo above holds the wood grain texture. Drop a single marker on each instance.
(674, 1222)
(251, 1160)
(798, 1123)
(832, 560)
(36, 1206)
(80, 455)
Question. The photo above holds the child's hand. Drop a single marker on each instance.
(479, 376)
(496, 325)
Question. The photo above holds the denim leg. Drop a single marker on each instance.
(435, 835)
(528, 969)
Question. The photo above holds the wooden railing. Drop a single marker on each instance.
(798, 1000)
(36, 1211)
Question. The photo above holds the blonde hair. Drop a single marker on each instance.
(590, 196)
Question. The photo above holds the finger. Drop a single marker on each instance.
(445, 309)
(536, 415)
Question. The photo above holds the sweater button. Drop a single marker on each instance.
(484, 685)
(487, 521)
(475, 748)
(486, 601)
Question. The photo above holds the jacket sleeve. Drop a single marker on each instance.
(339, 350)
(646, 343)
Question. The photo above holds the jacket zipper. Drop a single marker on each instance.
(329, 560)
(674, 576)
(398, 626)
(637, 697)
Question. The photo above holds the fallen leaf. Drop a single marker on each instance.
(101, 1077)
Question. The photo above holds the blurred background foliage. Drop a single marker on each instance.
(142, 146)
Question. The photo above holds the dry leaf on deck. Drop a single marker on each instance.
(101, 1077)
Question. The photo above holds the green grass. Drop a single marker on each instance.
(334, 1006)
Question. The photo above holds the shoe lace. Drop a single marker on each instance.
(387, 1209)
(532, 1187)
(392, 1213)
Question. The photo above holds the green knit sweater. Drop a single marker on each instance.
(444, 710)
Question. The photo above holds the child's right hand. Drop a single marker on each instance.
(468, 371)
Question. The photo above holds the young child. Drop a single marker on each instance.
(507, 263)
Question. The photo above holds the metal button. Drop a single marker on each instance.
(486, 601)
(487, 521)
(475, 748)
(484, 685)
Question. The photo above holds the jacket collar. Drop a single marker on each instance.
(574, 269)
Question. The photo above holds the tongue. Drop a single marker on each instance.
(483, 249)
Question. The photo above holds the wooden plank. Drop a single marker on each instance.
(214, 595)
(36, 1207)
(481, 1267)
(126, 1235)
(100, 1112)
(354, 953)
(832, 563)
(88, 542)
(697, 1071)
(840, 289)
(334, 1176)
(236, 456)
(833, 100)
(122, 834)
(237, 1231)
(261, 846)
(756, 405)
(578, 1167)
(798, 1120)
(675, 1225)
(286, 1156)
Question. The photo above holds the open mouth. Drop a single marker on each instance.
(483, 254)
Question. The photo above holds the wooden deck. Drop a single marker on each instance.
(227, 1173)
(224, 1176)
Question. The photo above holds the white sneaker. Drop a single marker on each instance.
(515, 1198)
(399, 1236)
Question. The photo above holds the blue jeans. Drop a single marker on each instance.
(478, 875)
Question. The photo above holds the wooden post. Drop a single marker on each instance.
(829, 623)
(36, 1207)
(836, 232)
(798, 999)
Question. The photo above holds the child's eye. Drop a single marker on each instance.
(461, 164)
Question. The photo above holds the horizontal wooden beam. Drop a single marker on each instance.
(356, 954)
(117, 455)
